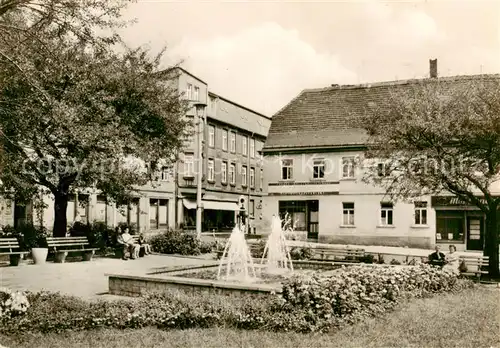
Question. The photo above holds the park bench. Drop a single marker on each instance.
(475, 265)
(61, 246)
(327, 254)
(10, 246)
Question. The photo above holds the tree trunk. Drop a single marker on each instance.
(60, 219)
(491, 241)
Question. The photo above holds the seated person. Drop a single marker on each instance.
(452, 261)
(143, 244)
(128, 243)
(437, 258)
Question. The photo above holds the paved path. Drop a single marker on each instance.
(84, 279)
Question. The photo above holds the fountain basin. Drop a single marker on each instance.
(134, 285)
(184, 279)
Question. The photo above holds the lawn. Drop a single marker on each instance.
(467, 319)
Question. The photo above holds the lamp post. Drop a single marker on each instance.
(200, 108)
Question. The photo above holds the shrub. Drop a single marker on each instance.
(176, 242)
(357, 292)
(368, 258)
(98, 234)
(395, 262)
(28, 236)
(298, 253)
(257, 249)
(12, 303)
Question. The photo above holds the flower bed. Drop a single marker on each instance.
(308, 303)
(12, 303)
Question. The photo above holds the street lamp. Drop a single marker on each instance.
(200, 109)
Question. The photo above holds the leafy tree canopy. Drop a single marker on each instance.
(75, 112)
(439, 137)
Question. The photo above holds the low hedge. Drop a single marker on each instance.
(178, 242)
(313, 303)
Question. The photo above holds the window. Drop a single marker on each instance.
(386, 214)
(287, 169)
(348, 167)
(296, 211)
(233, 142)
(244, 145)
(449, 225)
(420, 213)
(261, 179)
(211, 171)
(252, 177)
(158, 213)
(252, 148)
(243, 176)
(224, 172)
(232, 170)
(188, 165)
(251, 208)
(189, 91)
(318, 168)
(196, 93)
(348, 214)
(166, 173)
(224, 139)
(211, 136)
(382, 169)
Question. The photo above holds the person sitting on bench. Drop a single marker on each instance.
(437, 258)
(128, 243)
(143, 244)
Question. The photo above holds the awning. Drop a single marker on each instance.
(218, 205)
(188, 203)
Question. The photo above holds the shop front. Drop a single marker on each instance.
(458, 223)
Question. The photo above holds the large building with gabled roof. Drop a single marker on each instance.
(312, 174)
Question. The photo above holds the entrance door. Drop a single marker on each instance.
(475, 228)
(313, 218)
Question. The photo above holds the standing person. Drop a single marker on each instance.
(126, 240)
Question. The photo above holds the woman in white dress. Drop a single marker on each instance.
(452, 261)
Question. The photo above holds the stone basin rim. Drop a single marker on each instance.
(200, 282)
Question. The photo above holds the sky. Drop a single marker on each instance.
(262, 54)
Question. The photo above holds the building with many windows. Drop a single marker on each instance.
(313, 174)
(232, 166)
(232, 136)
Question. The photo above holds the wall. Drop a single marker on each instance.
(332, 191)
(112, 212)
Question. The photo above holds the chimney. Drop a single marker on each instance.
(433, 68)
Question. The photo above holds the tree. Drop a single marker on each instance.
(76, 114)
(440, 136)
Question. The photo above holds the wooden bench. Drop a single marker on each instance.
(10, 246)
(475, 265)
(327, 254)
(61, 246)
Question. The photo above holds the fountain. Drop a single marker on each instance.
(234, 274)
(237, 259)
(276, 256)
